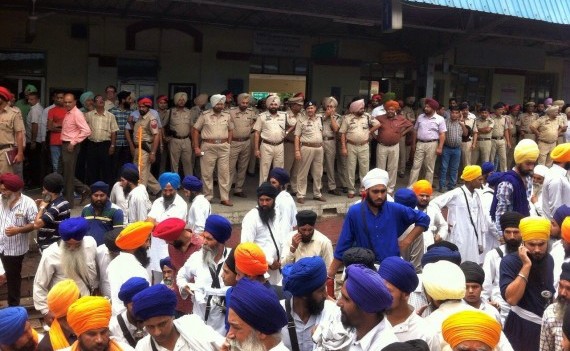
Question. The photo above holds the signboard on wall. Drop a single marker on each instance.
(274, 44)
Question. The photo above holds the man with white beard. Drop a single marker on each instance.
(551, 329)
(74, 257)
(538, 175)
(201, 276)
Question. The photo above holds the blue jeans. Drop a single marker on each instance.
(450, 158)
(55, 156)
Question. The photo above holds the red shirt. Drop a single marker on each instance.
(391, 131)
(178, 258)
(56, 114)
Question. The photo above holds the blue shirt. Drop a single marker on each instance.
(110, 217)
(384, 229)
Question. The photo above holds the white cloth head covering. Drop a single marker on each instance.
(374, 177)
(444, 280)
(216, 99)
(272, 98)
(242, 96)
(356, 105)
(330, 100)
(180, 95)
(540, 170)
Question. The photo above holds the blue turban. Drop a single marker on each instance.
(399, 273)
(366, 288)
(157, 300)
(132, 287)
(73, 228)
(88, 95)
(130, 166)
(192, 183)
(441, 253)
(258, 306)
(560, 214)
(169, 178)
(306, 275)
(220, 227)
(406, 197)
(280, 174)
(99, 186)
(487, 167)
(166, 262)
(12, 324)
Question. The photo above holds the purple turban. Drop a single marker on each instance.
(169, 178)
(157, 300)
(73, 228)
(12, 324)
(399, 273)
(220, 227)
(560, 214)
(280, 174)
(366, 288)
(166, 262)
(305, 276)
(130, 173)
(192, 183)
(132, 287)
(406, 197)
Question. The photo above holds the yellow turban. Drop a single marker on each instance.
(422, 187)
(88, 313)
(565, 229)
(250, 259)
(534, 228)
(526, 151)
(134, 235)
(444, 280)
(471, 325)
(561, 153)
(471, 173)
(61, 296)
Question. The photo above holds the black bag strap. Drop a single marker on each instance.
(291, 326)
(274, 243)
(152, 344)
(499, 251)
(470, 216)
(126, 332)
(215, 284)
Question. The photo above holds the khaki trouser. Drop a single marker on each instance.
(482, 153)
(290, 164)
(356, 154)
(239, 156)
(252, 158)
(269, 154)
(213, 153)
(341, 166)
(404, 154)
(4, 166)
(544, 150)
(499, 147)
(425, 155)
(311, 160)
(466, 153)
(181, 149)
(387, 159)
(329, 150)
(511, 152)
(146, 177)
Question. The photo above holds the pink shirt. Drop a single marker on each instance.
(74, 127)
(429, 128)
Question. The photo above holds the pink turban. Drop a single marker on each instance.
(356, 105)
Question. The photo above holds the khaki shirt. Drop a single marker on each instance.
(179, 122)
(149, 125)
(471, 124)
(547, 129)
(214, 126)
(11, 121)
(409, 113)
(500, 124)
(480, 123)
(243, 122)
(525, 121)
(195, 112)
(357, 129)
(101, 125)
(327, 124)
(291, 122)
(164, 116)
(271, 127)
(310, 130)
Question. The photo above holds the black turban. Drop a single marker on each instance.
(53, 183)
(510, 219)
(306, 217)
(473, 272)
(410, 345)
(359, 255)
(268, 190)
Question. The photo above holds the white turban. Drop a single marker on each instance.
(216, 99)
(180, 95)
(374, 177)
(272, 98)
(356, 105)
(242, 96)
(540, 170)
(330, 100)
(444, 280)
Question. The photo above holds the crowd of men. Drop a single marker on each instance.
(483, 266)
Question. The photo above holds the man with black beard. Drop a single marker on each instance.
(17, 332)
(261, 226)
(137, 203)
(512, 240)
(133, 260)
(526, 282)
(556, 186)
(101, 214)
(551, 329)
(200, 207)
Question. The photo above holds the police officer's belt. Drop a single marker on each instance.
(215, 141)
(240, 139)
(312, 144)
(180, 137)
(497, 138)
(484, 139)
(328, 138)
(271, 143)
(5, 146)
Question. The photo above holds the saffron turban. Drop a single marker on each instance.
(61, 296)
(134, 235)
(156, 300)
(473, 272)
(73, 228)
(110, 238)
(330, 101)
(242, 97)
(167, 261)
(170, 229)
(561, 153)
(53, 183)
(471, 325)
(510, 219)
(392, 103)
(216, 99)
(145, 102)
(132, 287)
(444, 280)
(11, 182)
(487, 167)
(162, 98)
(258, 306)
(12, 324)
(359, 255)
(192, 183)
(306, 275)
(422, 187)
(169, 178)
(439, 253)
(268, 190)
(366, 288)
(305, 217)
(219, 227)
(540, 170)
(565, 229)
(272, 98)
(526, 151)
(400, 273)
(99, 186)
(534, 228)
(356, 106)
(471, 173)
(560, 214)
(432, 103)
(180, 95)
(88, 95)
(201, 99)
(250, 259)
(280, 174)
(374, 177)
(406, 197)
(88, 313)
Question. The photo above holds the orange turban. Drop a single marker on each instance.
(88, 313)
(134, 235)
(565, 229)
(250, 259)
(393, 104)
(561, 153)
(61, 296)
(471, 325)
(422, 187)
(534, 228)
(471, 173)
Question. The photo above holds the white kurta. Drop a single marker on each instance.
(377, 338)
(555, 190)
(492, 236)
(199, 210)
(121, 269)
(285, 205)
(138, 204)
(103, 260)
(117, 332)
(415, 327)
(50, 272)
(491, 289)
(437, 225)
(117, 196)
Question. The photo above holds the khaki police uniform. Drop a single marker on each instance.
(498, 142)
(563, 122)
(240, 151)
(164, 152)
(404, 150)
(511, 120)
(482, 152)
(290, 163)
(329, 148)
(466, 142)
(11, 122)
(523, 123)
(310, 133)
(547, 137)
(215, 129)
(357, 131)
(252, 158)
(272, 132)
(195, 112)
(149, 126)
(180, 144)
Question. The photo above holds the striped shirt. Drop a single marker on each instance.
(57, 211)
(24, 212)
(121, 117)
(453, 134)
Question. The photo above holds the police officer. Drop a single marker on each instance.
(11, 131)
(546, 130)
(200, 102)
(214, 127)
(500, 137)
(147, 127)
(331, 123)
(294, 112)
(179, 122)
(243, 118)
(525, 120)
(481, 146)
